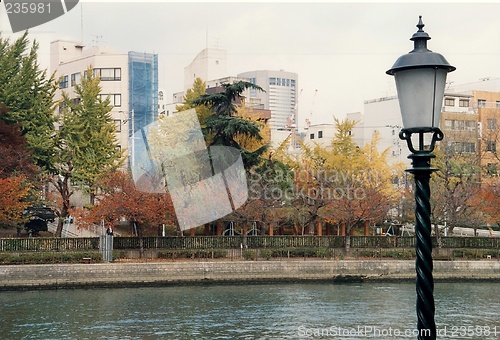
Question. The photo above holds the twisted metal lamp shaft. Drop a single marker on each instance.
(423, 265)
(421, 162)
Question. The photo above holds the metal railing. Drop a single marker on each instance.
(235, 242)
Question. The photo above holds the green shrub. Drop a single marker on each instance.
(249, 254)
(266, 253)
(323, 253)
(192, 254)
(119, 254)
(48, 257)
(367, 253)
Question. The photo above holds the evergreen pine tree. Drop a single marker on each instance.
(224, 125)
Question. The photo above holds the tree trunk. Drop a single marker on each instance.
(138, 229)
(437, 233)
(342, 228)
(63, 187)
(366, 228)
(218, 225)
(244, 235)
(319, 230)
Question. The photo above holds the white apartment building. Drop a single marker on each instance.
(383, 116)
(129, 79)
(320, 134)
(280, 97)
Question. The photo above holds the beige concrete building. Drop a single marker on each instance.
(487, 105)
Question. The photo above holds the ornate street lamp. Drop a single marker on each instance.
(420, 80)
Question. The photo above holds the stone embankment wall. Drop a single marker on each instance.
(51, 276)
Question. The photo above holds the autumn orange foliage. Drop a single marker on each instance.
(13, 190)
(120, 198)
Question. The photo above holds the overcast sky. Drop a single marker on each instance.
(342, 50)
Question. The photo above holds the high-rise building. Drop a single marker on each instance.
(280, 97)
(129, 79)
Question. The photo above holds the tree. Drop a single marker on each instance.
(96, 149)
(86, 143)
(366, 191)
(346, 185)
(453, 187)
(198, 89)
(249, 142)
(16, 157)
(13, 193)
(488, 201)
(120, 197)
(28, 93)
(223, 126)
(18, 174)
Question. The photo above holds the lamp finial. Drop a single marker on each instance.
(420, 24)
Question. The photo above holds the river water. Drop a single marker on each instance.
(261, 311)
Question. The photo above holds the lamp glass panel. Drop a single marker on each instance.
(420, 94)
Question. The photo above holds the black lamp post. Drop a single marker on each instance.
(420, 80)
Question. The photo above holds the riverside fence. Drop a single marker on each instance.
(237, 242)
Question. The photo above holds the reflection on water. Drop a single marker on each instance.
(270, 311)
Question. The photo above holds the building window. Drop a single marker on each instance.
(463, 147)
(481, 103)
(160, 95)
(470, 125)
(253, 92)
(115, 99)
(63, 84)
(492, 124)
(108, 74)
(469, 147)
(320, 134)
(62, 105)
(491, 146)
(76, 101)
(118, 125)
(463, 103)
(75, 79)
(311, 136)
(449, 101)
(492, 169)
(448, 124)
(497, 104)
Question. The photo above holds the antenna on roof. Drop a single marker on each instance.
(81, 20)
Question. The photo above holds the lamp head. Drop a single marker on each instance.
(420, 80)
